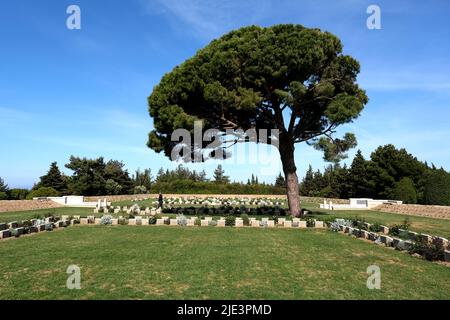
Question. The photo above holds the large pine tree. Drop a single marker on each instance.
(287, 77)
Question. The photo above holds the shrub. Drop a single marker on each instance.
(327, 220)
(43, 192)
(3, 196)
(245, 219)
(395, 229)
(106, 219)
(36, 216)
(140, 190)
(334, 226)
(226, 210)
(212, 223)
(18, 194)
(26, 223)
(403, 235)
(38, 222)
(355, 221)
(181, 220)
(405, 191)
(152, 219)
(310, 223)
(112, 187)
(360, 225)
(430, 251)
(347, 223)
(230, 221)
(375, 227)
(48, 215)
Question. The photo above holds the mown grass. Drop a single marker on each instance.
(29, 214)
(137, 262)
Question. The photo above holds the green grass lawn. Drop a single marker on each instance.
(29, 214)
(137, 262)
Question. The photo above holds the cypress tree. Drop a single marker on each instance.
(53, 179)
(358, 177)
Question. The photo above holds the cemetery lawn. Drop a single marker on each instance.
(30, 214)
(432, 226)
(139, 262)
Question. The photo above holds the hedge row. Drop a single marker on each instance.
(229, 210)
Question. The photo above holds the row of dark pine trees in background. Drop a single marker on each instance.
(390, 173)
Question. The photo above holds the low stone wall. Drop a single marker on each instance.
(202, 196)
(23, 205)
(441, 212)
(321, 200)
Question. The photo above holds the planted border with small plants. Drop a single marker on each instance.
(432, 248)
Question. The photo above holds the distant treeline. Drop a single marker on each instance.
(389, 174)
(93, 177)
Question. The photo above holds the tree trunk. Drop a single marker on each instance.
(290, 173)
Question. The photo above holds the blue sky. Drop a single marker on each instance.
(84, 92)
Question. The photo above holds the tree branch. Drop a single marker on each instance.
(329, 129)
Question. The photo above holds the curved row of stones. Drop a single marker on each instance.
(134, 209)
(207, 221)
(16, 228)
(397, 243)
(212, 201)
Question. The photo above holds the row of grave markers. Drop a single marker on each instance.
(397, 243)
(16, 229)
(207, 221)
(135, 209)
(218, 202)
(383, 238)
